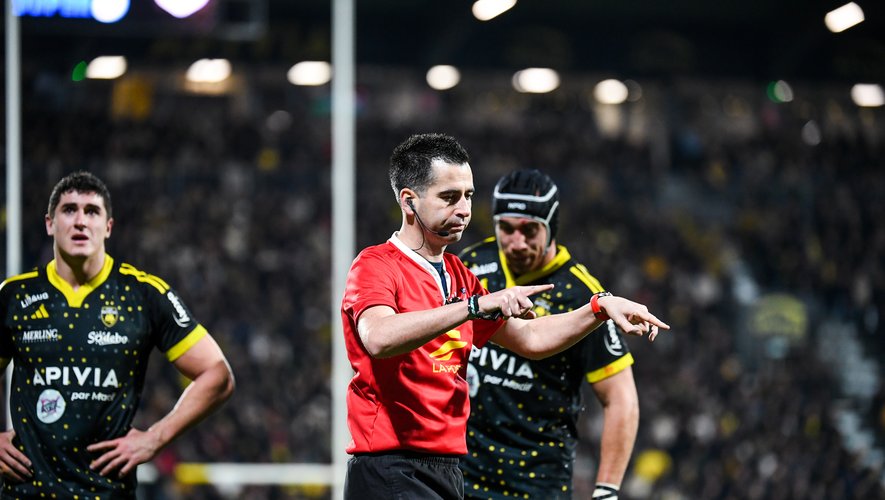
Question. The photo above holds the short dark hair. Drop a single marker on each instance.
(81, 182)
(411, 161)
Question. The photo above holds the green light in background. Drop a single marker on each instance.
(770, 92)
(779, 92)
(79, 71)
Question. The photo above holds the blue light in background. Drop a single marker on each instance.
(105, 11)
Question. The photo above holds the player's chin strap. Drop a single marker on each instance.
(605, 491)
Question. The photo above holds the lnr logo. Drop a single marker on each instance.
(444, 353)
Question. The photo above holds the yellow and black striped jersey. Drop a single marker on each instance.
(522, 431)
(80, 357)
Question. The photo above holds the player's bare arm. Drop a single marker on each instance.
(546, 336)
(212, 384)
(620, 406)
(14, 465)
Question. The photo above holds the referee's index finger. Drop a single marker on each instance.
(651, 318)
(533, 289)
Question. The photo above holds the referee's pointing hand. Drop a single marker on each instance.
(513, 302)
(632, 317)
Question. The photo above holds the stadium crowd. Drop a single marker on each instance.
(228, 199)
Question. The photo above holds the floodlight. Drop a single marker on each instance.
(490, 9)
(106, 68)
(610, 92)
(209, 71)
(536, 80)
(868, 95)
(443, 77)
(310, 73)
(844, 17)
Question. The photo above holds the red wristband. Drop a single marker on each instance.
(596, 308)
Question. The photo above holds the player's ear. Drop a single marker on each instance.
(110, 226)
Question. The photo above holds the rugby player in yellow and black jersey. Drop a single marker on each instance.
(80, 332)
(522, 430)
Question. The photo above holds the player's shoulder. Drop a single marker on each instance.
(376, 254)
(23, 278)
(377, 250)
(481, 251)
(139, 278)
(581, 278)
(575, 273)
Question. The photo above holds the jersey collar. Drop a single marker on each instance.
(562, 257)
(76, 297)
(421, 261)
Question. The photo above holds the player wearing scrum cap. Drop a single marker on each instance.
(522, 430)
(411, 313)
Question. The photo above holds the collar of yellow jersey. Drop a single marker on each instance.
(76, 297)
(562, 256)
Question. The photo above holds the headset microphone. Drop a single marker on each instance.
(418, 218)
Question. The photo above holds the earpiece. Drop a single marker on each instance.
(421, 223)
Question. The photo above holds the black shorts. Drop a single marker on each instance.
(403, 476)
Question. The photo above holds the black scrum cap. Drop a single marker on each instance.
(528, 194)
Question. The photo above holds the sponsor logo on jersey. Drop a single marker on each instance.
(45, 335)
(106, 338)
(30, 299)
(40, 313)
(500, 361)
(79, 375)
(613, 342)
(182, 319)
(50, 406)
(481, 269)
(445, 352)
(109, 316)
(92, 396)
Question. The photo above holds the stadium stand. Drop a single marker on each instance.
(760, 239)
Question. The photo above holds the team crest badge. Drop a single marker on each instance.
(109, 316)
(541, 307)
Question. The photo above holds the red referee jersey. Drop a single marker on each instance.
(419, 400)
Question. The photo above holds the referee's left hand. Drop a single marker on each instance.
(124, 453)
